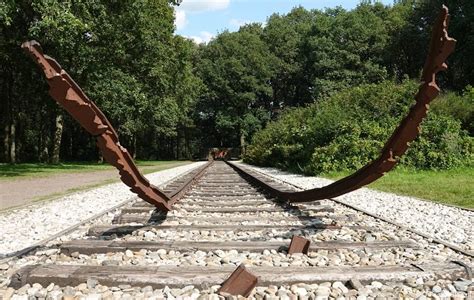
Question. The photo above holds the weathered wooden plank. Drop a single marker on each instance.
(143, 219)
(226, 198)
(231, 210)
(104, 246)
(203, 277)
(106, 230)
(139, 208)
(212, 203)
(238, 180)
(220, 203)
(226, 203)
(213, 185)
(227, 193)
(137, 218)
(224, 188)
(249, 209)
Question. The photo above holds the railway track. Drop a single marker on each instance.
(221, 220)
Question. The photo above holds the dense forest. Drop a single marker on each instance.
(324, 80)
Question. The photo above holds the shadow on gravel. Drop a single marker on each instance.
(156, 218)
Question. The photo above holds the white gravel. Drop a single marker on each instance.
(20, 228)
(448, 223)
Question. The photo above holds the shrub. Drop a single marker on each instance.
(279, 144)
(348, 129)
(460, 107)
(441, 145)
(353, 145)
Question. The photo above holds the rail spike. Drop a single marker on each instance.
(69, 95)
(441, 46)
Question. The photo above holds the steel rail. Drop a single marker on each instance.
(70, 229)
(268, 187)
(183, 188)
(441, 46)
(70, 96)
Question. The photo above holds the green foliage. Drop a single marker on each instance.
(280, 144)
(441, 145)
(6, 9)
(343, 50)
(122, 53)
(411, 45)
(353, 145)
(169, 97)
(235, 69)
(460, 107)
(285, 36)
(348, 129)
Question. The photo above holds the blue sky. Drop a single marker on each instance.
(203, 19)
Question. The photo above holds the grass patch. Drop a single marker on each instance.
(454, 186)
(29, 170)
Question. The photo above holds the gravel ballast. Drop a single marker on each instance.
(20, 228)
(347, 225)
(447, 223)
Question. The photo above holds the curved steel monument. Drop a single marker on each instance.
(70, 96)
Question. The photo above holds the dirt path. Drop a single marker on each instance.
(20, 192)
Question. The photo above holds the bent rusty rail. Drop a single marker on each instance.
(441, 46)
(69, 95)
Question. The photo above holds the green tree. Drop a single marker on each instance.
(236, 69)
(412, 43)
(285, 36)
(343, 51)
(122, 53)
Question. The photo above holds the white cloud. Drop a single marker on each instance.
(203, 5)
(180, 19)
(204, 37)
(196, 6)
(238, 23)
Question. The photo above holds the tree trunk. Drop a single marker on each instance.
(57, 139)
(186, 144)
(6, 144)
(12, 143)
(69, 150)
(242, 143)
(101, 158)
(44, 153)
(178, 148)
(134, 141)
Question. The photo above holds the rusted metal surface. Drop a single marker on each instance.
(181, 190)
(298, 244)
(241, 282)
(441, 47)
(69, 95)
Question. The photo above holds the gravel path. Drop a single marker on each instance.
(14, 194)
(20, 228)
(444, 222)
